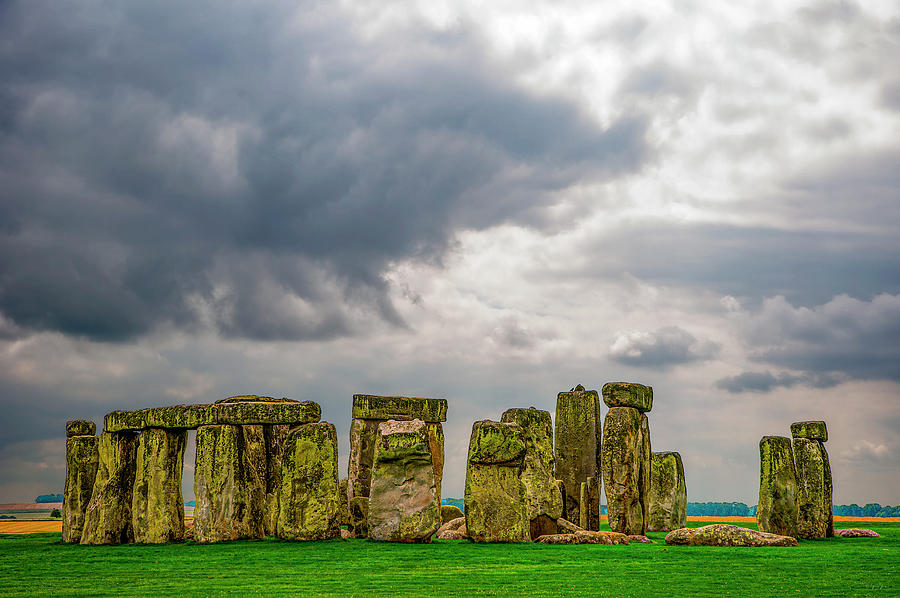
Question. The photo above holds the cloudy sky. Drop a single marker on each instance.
(485, 202)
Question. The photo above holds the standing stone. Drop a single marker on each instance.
(81, 470)
(403, 503)
(108, 516)
(363, 433)
(668, 493)
(345, 504)
(578, 444)
(496, 508)
(274, 435)
(310, 502)
(542, 496)
(436, 445)
(777, 512)
(589, 518)
(157, 506)
(359, 517)
(230, 483)
(815, 517)
(626, 469)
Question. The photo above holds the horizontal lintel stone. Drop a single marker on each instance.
(814, 430)
(399, 408)
(235, 413)
(628, 394)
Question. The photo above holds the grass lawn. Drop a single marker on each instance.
(39, 564)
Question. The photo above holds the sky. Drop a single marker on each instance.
(483, 202)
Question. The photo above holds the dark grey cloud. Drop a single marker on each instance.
(666, 346)
(254, 168)
(764, 382)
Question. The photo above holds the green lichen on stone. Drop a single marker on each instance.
(626, 452)
(230, 483)
(157, 506)
(495, 504)
(273, 435)
(578, 444)
(814, 430)
(310, 503)
(80, 427)
(363, 433)
(541, 488)
(668, 493)
(829, 532)
(108, 516)
(229, 412)
(777, 512)
(345, 505)
(399, 408)
(720, 534)
(359, 517)
(81, 470)
(496, 442)
(436, 444)
(628, 394)
(450, 513)
(589, 517)
(813, 500)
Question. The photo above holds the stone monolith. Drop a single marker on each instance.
(403, 501)
(626, 469)
(495, 501)
(345, 504)
(157, 506)
(589, 504)
(777, 512)
(542, 494)
(667, 501)
(108, 516)
(309, 501)
(578, 444)
(274, 435)
(81, 470)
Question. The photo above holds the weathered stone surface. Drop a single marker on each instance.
(274, 436)
(345, 503)
(108, 516)
(436, 444)
(455, 529)
(589, 505)
(233, 411)
(81, 470)
(639, 539)
(450, 512)
(80, 427)
(157, 506)
(856, 532)
(585, 537)
(399, 408)
(542, 495)
(345, 533)
(628, 394)
(359, 516)
(403, 504)
(828, 493)
(720, 534)
(814, 430)
(230, 483)
(777, 512)
(566, 526)
(667, 502)
(626, 469)
(495, 503)
(578, 444)
(309, 501)
(813, 500)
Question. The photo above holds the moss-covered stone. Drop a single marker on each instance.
(829, 532)
(455, 529)
(495, 442)
(80, 427)
(345, 504)
(626, 469)
(157, 507)
(777, 512)
(108, 516)
(399, 408)
(720, 534)
(577, 444)
(541, 488)
(359, 517)
(81, 470)
(274, 435)
(436, 444)
(813, 502)
(856, 532)
(235, 412)
(450, 512)
(667, 502)
(230, 483)
(363, 433)
(310, 502)
(814, 430)
(628, 394)
(403, 503)
(589, 504)
(585, 537)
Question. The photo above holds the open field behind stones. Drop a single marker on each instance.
(39, 564)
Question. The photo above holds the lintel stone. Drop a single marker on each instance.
(814, 430)
(399, 408)
(80, 427)
(628, 394)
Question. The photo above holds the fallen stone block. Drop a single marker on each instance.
(566, 526)
(721, 534)
(639, 539)
(628, 394)
(777, 512)
(455, 529)
(450, 512)
(585, 537)
(856, 532)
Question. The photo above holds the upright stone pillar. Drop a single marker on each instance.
(578, 444)
(274, 435)
(403, 502)
(157, 506)
(777, 512)
(589, 518)
(230, 483)
(542, 495)
(496, 509)
(108, 516)
(81, 470)
(815, 519)
(310, 503)
(626, 456)
(668, 493)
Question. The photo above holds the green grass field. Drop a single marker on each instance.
(39, 564)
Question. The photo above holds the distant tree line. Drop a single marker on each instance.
(870, 510)
(720, 509)
(49, 498)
